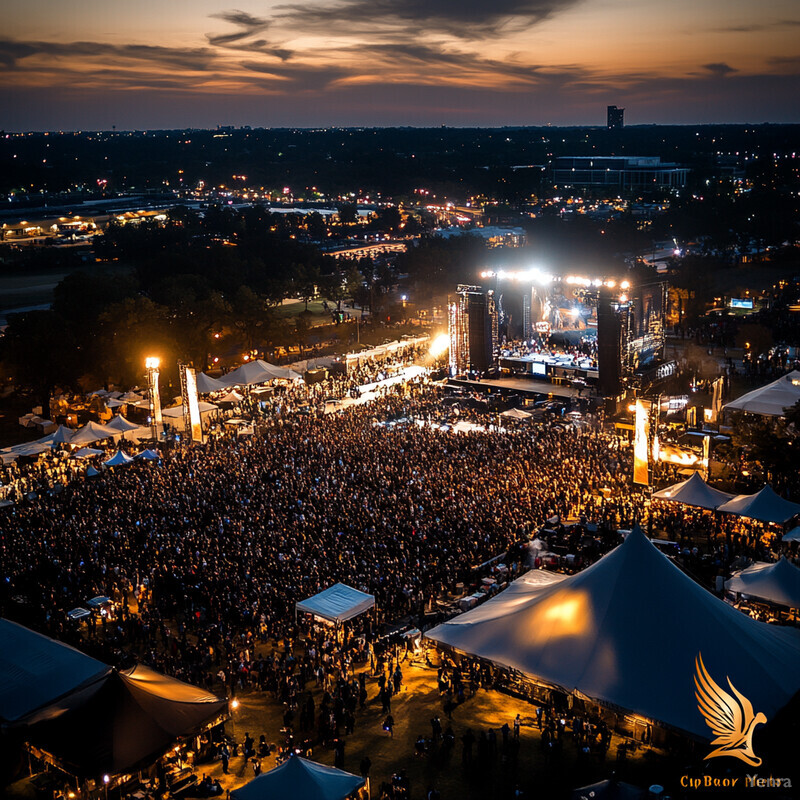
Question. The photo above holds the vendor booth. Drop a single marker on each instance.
(337, 604)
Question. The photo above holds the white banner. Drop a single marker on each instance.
(193, 405)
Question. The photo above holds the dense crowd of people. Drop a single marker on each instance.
(226, 537)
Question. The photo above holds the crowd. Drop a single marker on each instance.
(224, 538)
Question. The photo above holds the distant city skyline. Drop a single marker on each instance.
(203, 63)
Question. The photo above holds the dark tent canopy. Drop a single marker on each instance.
(122, 722)
(36, 671)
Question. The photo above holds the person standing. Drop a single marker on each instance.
(517, 724)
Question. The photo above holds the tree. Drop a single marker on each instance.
(40, 352)
(348, 213)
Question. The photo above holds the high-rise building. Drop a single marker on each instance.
(615, 118)
(473, 329)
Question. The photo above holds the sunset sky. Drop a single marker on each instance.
(180, 63)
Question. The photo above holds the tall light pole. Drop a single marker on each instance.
(152, 364)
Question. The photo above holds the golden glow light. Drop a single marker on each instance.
(152, 362)
(234, 704)
(440, 345)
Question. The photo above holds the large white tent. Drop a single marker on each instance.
(92, 432)
(694, 492)
(207, 384)
(299, 778)
(626, 632)
(36, 671)
(764, 506)
(255, 372)
(127, 429)
(337, 603)
(769, 400)
(777, 583)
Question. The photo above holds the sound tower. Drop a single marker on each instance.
(610, 334)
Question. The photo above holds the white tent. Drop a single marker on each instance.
(148, 455)
(777, 583)
(121, 425)
(793, 535)
(132, 397)
(87, 452)
(127, 429)
(92, 432)
(626, 632)
(765, 506)
(118, 459)
(255, 372)
(176, 412)
(61, 435)
(337, 603)
(300, 779)
(207, 384)
(769, 400)
(232, 397)
(515, 413)
(36, 671)
(694, 492)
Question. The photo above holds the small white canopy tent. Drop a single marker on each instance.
(119, 459)
(92, 432)
(769, 400)
(515, 413)
(337, 603)
(148, 455)
(87, 452)
(231, 397)
(615, 630)
(777, 583)
(694, 492)
(764, 506)
(299, 778)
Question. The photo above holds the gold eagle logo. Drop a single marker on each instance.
(730, 718)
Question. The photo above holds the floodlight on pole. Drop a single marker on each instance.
(152, 364)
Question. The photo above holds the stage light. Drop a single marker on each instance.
(625, 285)
(152, 362)
(440, 345)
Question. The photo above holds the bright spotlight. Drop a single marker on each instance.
(440, 345)
(152, 362)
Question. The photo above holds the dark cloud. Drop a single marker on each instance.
(294, 78)
(468, 19)
(241, 39)
(719, 70)
(758, 27)
(194, 59)
(248, 26)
